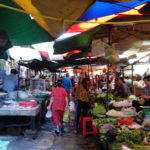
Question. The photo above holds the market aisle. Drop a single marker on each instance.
(73, 142)
(47, 140)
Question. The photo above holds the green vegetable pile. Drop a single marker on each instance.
(98, 110)
(111, 97)
(102, 135)
(102, 121)
(129, 138)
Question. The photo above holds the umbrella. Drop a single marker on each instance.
(21, 29)
(98, 11)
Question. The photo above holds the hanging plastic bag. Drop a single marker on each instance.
(111, 54)
(71, 106)
(49, 114)
(66, 117)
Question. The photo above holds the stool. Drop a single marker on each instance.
(93, 130)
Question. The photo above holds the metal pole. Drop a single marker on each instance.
(89, 68)
(18, 78)
(123, 72)
(92, 76)
(132, 79)
(110, 43)
(107, 86)
(55, 77)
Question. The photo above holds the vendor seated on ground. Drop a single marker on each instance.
(121, 89)
(10, 82)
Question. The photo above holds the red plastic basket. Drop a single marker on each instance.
(125, 120)
(27, 104)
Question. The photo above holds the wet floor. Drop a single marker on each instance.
(47, 140)
(73, 142)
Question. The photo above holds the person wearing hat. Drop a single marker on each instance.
(10, 82)
(58, 105)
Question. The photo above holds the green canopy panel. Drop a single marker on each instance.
(20, 28)
(79, 42)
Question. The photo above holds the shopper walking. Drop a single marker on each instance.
(58, 105)
(67, 83)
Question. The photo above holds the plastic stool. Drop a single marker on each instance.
(93, 130)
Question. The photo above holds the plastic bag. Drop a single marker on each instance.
(3, 145)
(72, 106)
(66, 117)
(49, 114)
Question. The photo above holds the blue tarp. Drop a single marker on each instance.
(101, 9)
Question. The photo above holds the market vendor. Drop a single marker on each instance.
(10, 82)
(146, 95)
(82, 102)
(121, 89)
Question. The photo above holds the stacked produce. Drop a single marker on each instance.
(130, 138)
(98, 110)
(111, 97)
(102, 121)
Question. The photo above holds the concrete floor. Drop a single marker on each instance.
(47, 140)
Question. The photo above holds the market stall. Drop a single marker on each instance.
(121, 126)
(19, 111)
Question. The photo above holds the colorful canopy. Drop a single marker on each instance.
(101, 12)
(56, 12)
(128, 11)
(57, 16)
(21, 29)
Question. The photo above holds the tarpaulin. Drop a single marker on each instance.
(20, 28)
(58, 10)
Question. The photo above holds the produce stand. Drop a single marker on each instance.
(120, 125)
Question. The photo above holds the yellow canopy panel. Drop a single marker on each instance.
(56, 11)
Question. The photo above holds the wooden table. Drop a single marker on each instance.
(32, 113)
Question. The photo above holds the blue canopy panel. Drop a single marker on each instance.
(101, 9)
(102, 12)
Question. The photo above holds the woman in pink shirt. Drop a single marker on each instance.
(58, 104)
